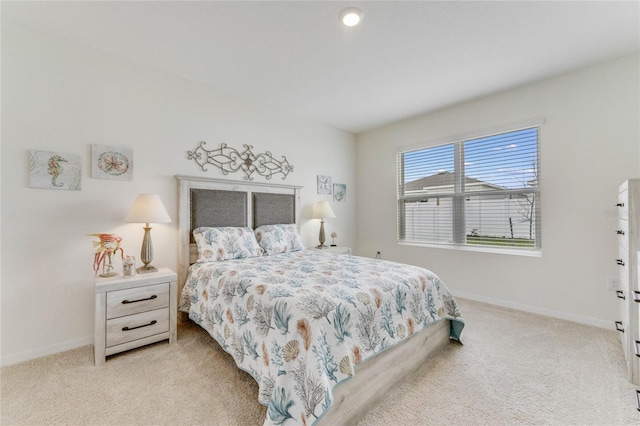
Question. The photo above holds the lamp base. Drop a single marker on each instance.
(321, 236)
(146, 253)
(146, 269)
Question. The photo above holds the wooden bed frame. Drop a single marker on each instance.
(375, 377)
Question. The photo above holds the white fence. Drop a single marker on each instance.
(433, 220)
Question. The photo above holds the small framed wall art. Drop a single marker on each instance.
(54, 170)
(111, 162)
(339, 192)
(324, 185)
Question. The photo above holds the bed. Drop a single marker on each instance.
(324, 335)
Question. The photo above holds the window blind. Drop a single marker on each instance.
(482, 191)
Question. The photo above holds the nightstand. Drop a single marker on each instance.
(336, 249)
(134, 311)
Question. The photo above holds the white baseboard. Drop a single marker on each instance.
(44, 351)
(596, 322)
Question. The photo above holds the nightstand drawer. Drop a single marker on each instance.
(134, 327)
(136, 300)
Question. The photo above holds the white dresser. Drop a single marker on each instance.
(628, 231)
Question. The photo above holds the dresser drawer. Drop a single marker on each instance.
(623, 245)
(623, 206)
(623, 232)
(134, 327)
(622, 260)
(135, 300)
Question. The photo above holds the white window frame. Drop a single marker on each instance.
(459, 219)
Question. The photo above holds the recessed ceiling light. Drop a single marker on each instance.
(351, 16)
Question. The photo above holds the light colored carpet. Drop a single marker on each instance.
(514, 368)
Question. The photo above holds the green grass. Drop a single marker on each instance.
(501, 241)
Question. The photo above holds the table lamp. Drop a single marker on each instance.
(322, 211)
(147, 208)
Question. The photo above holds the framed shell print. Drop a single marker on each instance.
(111, 162)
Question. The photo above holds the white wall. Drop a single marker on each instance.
(63, 97)
(589, 145)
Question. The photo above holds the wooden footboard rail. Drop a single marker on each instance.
(380, 375)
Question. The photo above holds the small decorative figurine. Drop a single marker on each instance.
(108, 245)
(129, 266)
(333, 239)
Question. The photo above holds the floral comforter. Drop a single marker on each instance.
(299, 322)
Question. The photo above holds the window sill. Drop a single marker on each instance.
(483, 249)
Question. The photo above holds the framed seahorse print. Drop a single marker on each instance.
(111, 162)
(54, 170)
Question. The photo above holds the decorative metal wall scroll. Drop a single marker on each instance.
(230, 160)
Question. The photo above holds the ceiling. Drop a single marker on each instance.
(406, 57)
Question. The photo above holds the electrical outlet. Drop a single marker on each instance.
(378, 255)
(613, 283)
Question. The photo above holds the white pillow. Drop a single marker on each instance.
(280, 238)
(225, 243)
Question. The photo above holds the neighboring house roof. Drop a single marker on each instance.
(443, 180)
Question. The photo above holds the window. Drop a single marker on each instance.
(478, 192)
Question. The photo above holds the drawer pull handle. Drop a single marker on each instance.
(636, 296)
(636, 347)
(620, 205)
(620, 294)
(638, 399)
(140, 326)
(124, 302)
(619, 326)
(620, 232)
(620, 262)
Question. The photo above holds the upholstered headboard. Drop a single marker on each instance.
(214, 207)
(218, 202)
(270, 209)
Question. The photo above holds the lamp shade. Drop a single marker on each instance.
(148, 208)
(323, 210)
